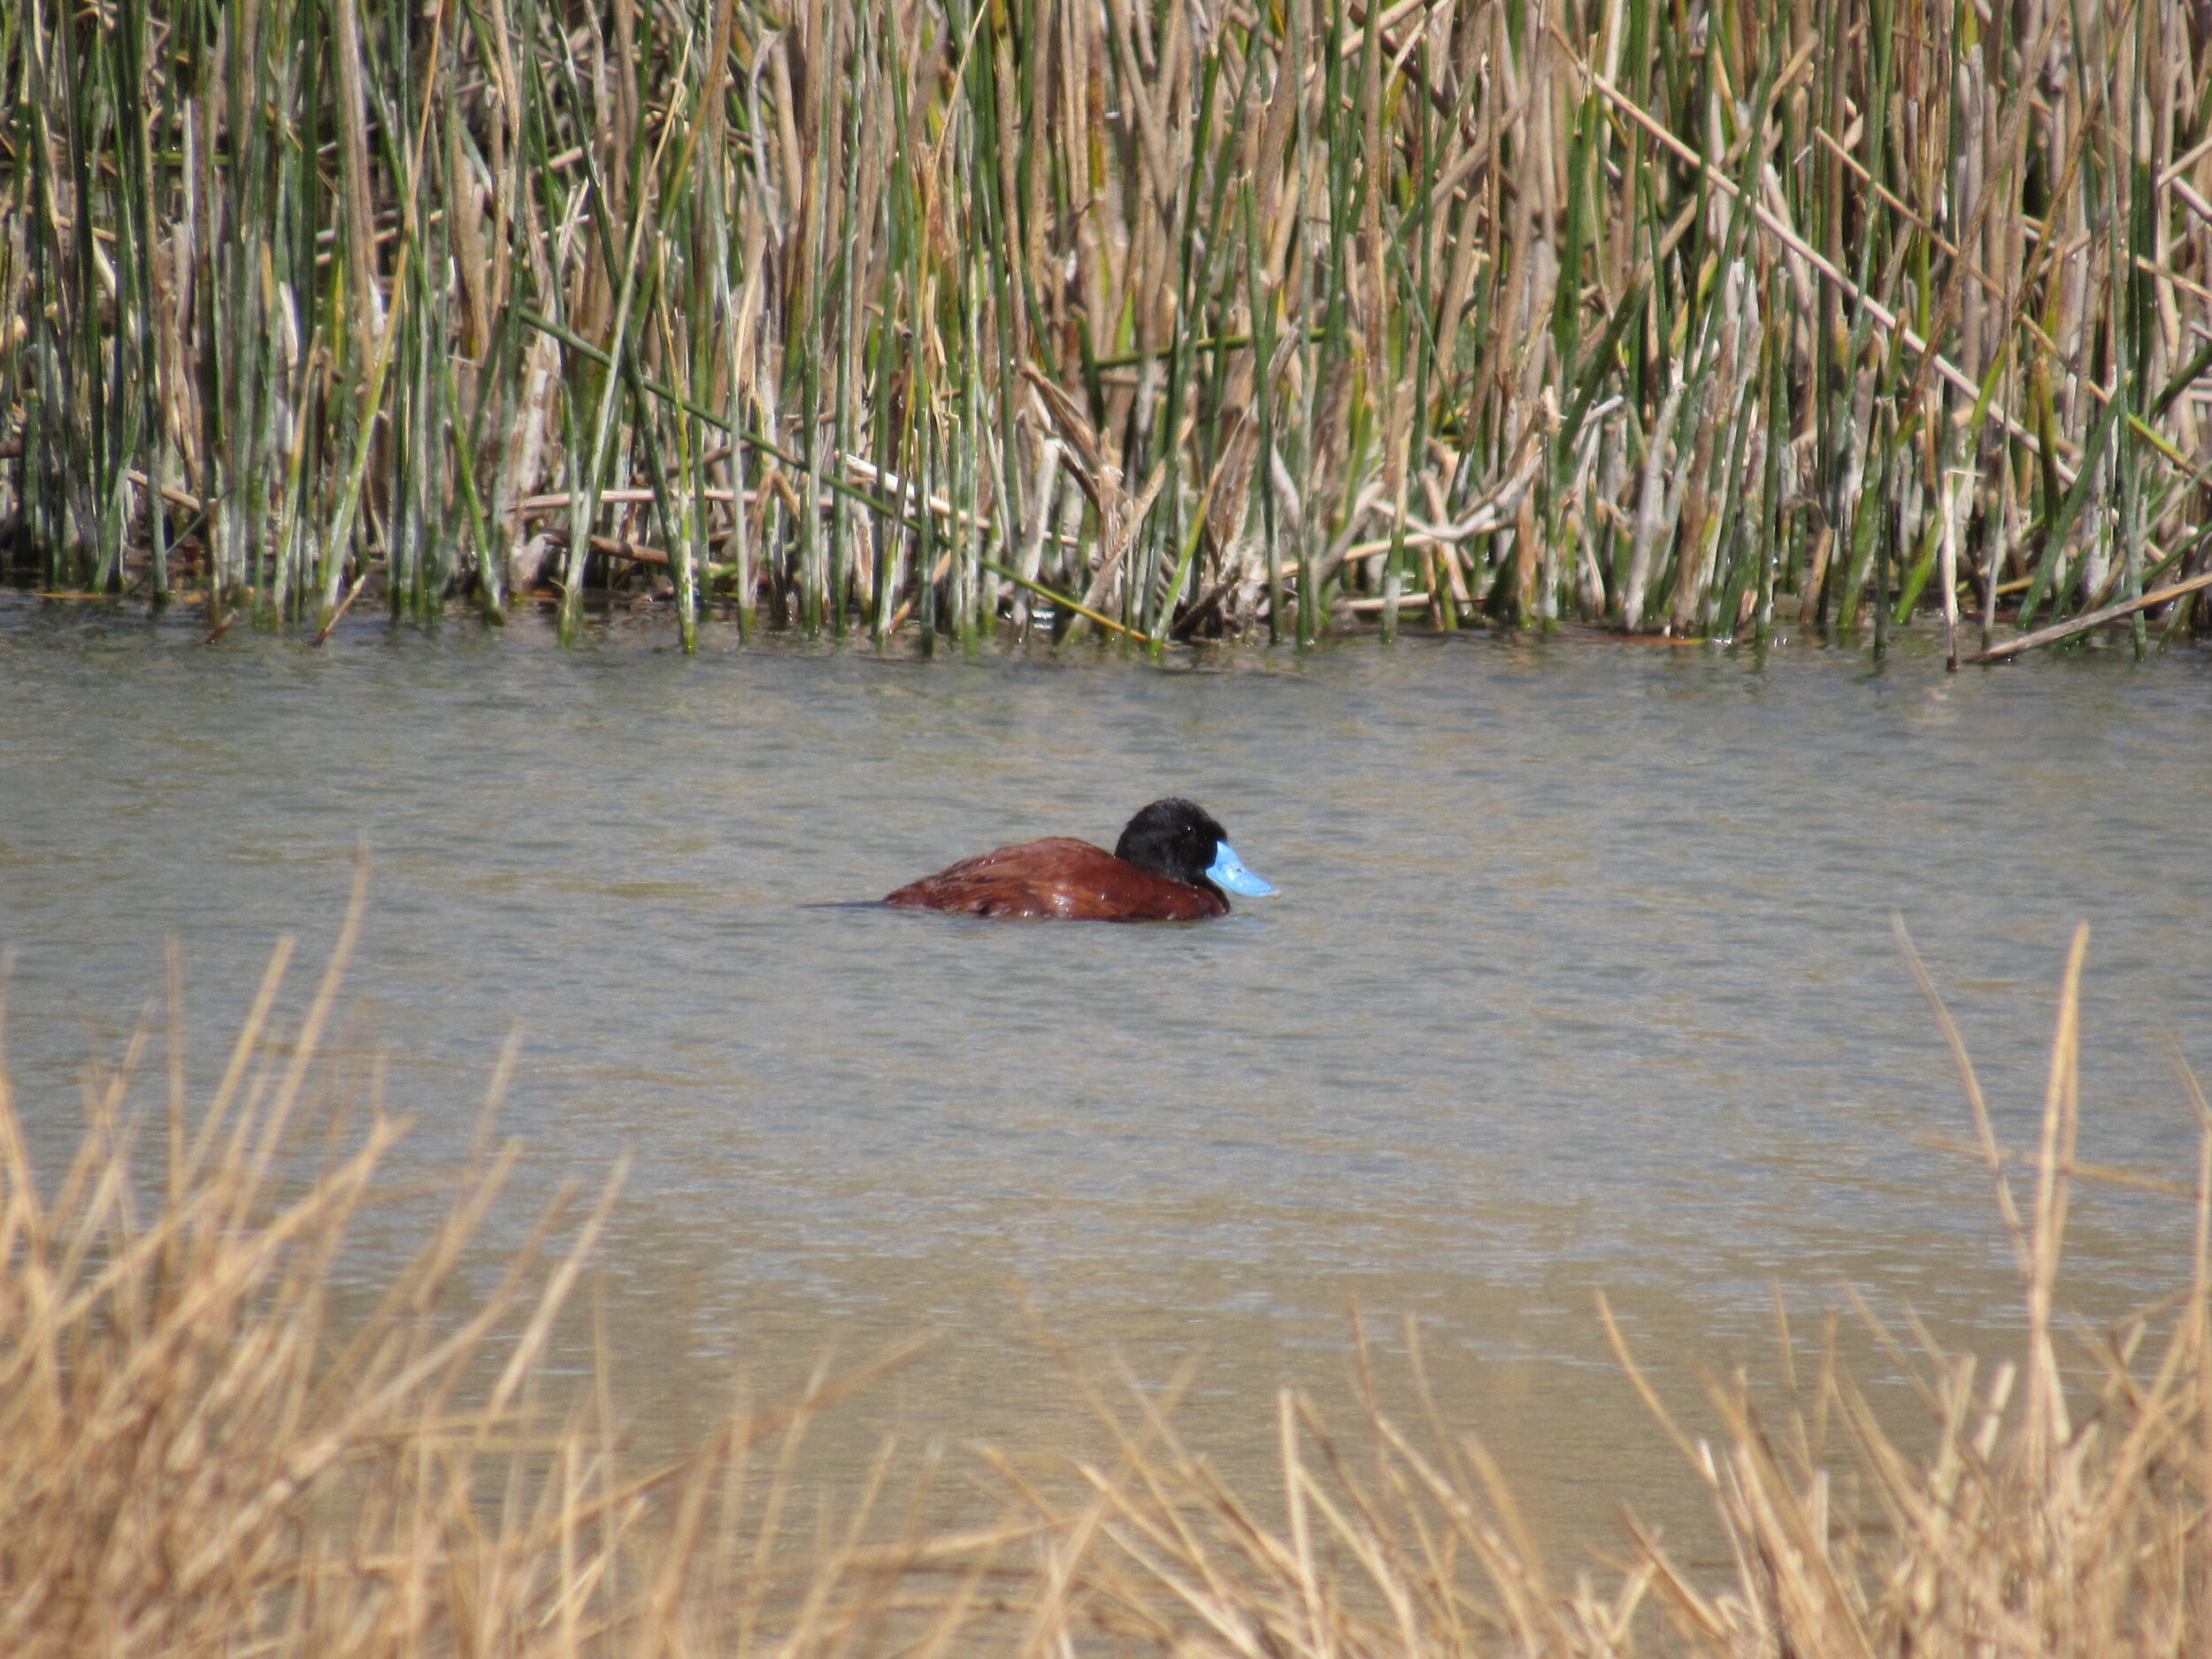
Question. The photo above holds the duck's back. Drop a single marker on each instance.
(1059, 876)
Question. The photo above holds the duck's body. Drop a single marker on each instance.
(1062, 877)
(1165, 869)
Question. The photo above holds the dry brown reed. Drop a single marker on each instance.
(2058, 1501)
(203, 1453)
(200, 1453)
(1710, 318)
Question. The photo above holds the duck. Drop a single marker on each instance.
(1173, 863)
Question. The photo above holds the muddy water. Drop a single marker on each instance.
(1581, 979)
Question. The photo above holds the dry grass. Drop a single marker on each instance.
(197, 1455)
(2058, 1507)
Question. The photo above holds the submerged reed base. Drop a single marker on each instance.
(197, 1457)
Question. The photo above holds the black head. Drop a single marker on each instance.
(1173, 837)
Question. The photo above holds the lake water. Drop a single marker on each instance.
(1581, 978)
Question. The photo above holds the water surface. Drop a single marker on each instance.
(1581, 979)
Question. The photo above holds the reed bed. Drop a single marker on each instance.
(201, 1452)
(1705, 319)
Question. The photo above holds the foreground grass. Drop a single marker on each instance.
(1160, 318)
(197, 1455)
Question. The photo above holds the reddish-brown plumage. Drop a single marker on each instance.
(1062, 877)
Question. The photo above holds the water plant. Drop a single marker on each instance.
(1151, 319)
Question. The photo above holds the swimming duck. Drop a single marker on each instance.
(1173, 863)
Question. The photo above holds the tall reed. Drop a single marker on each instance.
(1158, 319)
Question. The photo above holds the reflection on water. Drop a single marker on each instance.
(1581, 978)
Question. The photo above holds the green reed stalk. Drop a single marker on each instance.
(261, 272)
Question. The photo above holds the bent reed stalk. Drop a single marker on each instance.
(203, 1453)
(1157, 320)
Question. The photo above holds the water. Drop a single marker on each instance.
(1581, 979)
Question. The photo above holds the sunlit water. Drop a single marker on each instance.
(1581, 979)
